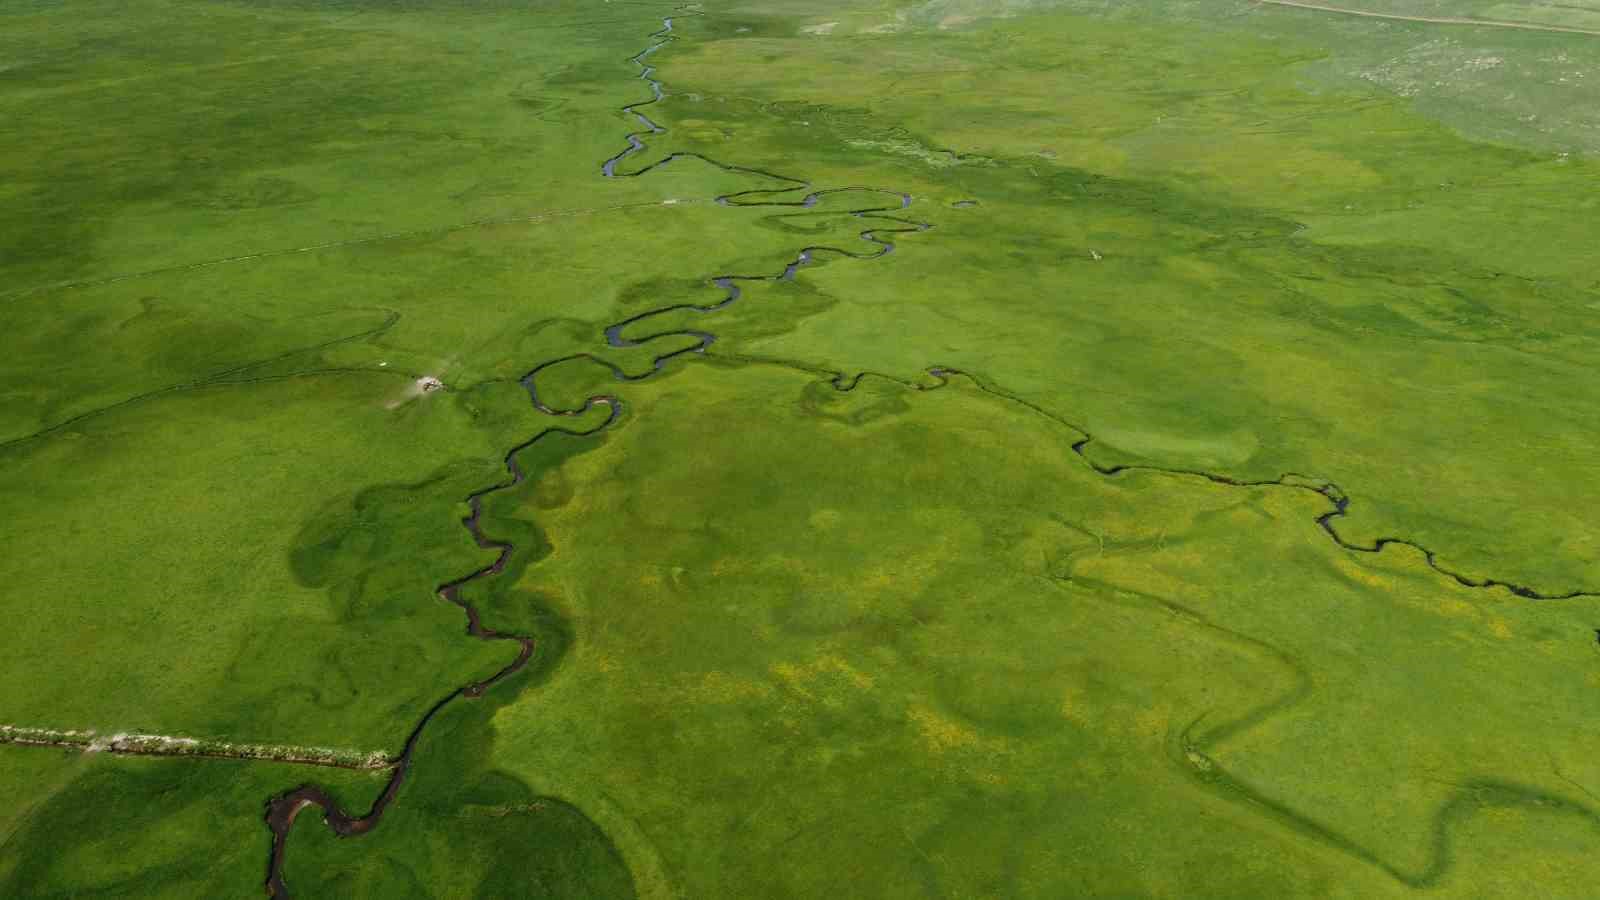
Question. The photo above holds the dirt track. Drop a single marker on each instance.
(1432, 20)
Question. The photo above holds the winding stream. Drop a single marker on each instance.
(285, 808)
(1335, 495)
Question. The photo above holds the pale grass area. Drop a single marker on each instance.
(1434, 20)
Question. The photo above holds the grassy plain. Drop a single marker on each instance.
(793, 640)
(1176, 268)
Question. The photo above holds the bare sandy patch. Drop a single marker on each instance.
(423, 386)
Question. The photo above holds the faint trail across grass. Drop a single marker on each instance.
(334, 245)
(1432, 20)
(227, 377)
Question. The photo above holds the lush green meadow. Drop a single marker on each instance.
(1245, 278)
(857, 601)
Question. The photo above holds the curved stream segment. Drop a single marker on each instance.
(282, 810)
(285, 808)
(1341, 508)
(1331, 492)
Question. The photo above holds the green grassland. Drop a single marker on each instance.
(1334, 265)
(858, 600)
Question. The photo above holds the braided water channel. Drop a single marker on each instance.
(283, 810)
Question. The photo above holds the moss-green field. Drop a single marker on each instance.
(960, 448)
